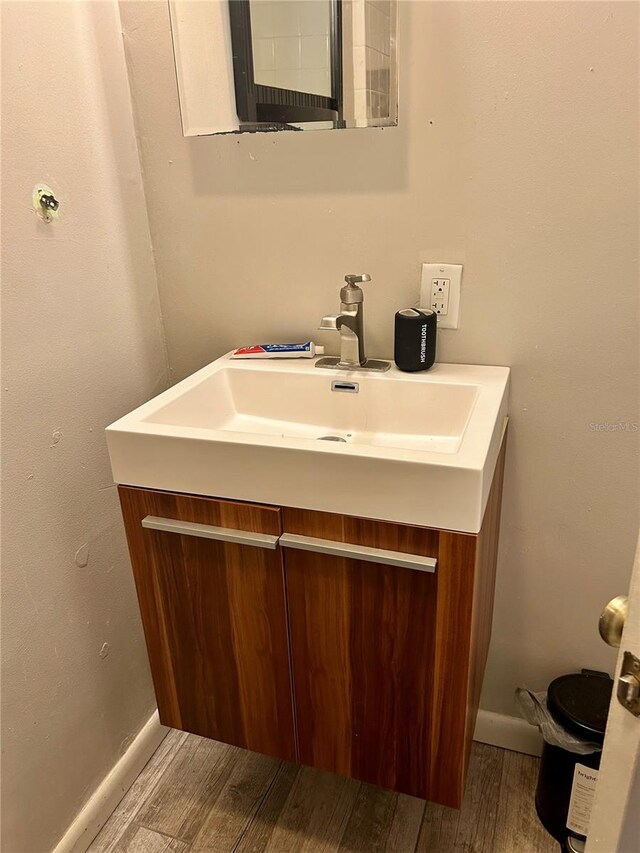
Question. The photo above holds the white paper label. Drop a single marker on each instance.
(583, 791)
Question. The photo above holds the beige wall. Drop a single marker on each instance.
(516, 155)
(81, 345)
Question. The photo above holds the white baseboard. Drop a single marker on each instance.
(96, 811)
(508, 733)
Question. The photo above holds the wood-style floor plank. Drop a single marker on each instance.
(477, 823)
(405, 827)
(189, 789)
(313, 818)
(114, 832)
(198, 795)
(228, 817)
(370, 821)
(257, 835)
(517, 824)
(147, 841)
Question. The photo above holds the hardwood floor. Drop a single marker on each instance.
(199, 795)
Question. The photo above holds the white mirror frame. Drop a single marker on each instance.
(205, 75)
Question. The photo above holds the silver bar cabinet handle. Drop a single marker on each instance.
(208, 531)
(359, 552)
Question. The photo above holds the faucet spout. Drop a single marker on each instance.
(330, 321)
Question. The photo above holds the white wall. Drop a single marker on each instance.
(517, 155)
(81, 345)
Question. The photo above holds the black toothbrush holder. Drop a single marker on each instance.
(415, 339)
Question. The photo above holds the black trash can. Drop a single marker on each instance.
(579, 703)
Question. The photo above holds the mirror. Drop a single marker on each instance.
(285, 65)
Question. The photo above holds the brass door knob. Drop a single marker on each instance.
(612, 620)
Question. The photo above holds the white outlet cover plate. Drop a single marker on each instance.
(453, 272)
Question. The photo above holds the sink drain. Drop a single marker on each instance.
(332, 438)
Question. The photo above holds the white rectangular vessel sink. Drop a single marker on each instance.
(412, 448)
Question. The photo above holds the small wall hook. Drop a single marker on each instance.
(49, 202)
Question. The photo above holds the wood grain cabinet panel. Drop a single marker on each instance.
(214, 618)
(362, 639)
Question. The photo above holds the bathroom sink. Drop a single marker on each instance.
(412, 448)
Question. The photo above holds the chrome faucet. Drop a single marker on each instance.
(349, 322)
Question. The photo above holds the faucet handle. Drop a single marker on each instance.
(357, 279)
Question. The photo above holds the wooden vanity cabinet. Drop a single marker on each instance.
(379, 665)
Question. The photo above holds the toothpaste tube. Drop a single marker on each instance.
(306, 350)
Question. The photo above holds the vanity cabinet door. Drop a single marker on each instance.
(388, 661)
(363, 649)
(210, 585)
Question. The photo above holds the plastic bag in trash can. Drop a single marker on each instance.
(533, 707)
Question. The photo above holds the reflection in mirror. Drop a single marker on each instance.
(370, 63)
(317, 64)
(292, 44)
(287, 61)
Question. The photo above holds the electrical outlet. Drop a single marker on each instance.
(440, 288)
(440, 291)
